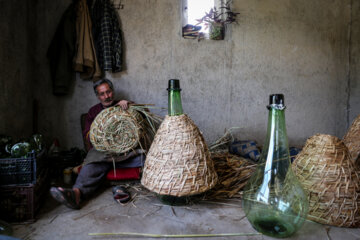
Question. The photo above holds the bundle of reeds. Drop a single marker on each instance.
(331, 180)
(233, 172)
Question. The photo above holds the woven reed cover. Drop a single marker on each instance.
(331, 180)
(178, 162)
(352, 140)
(115, 130)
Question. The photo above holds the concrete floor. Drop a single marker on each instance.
(146, 214)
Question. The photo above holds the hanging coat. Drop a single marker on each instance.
(61, 52)
(85, 60)
(107, 36)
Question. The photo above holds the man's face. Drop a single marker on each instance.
(105, 94)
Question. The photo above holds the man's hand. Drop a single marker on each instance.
(124, 104)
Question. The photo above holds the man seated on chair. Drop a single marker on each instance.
(97, 164)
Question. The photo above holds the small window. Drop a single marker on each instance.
(207, 18)
(192, 11)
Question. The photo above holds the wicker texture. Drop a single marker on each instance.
(331, 180)
(352, 140)
(116, 131)
(178, 162)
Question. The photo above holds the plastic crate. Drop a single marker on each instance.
(64, 159)
(21, 203)
(19, 171)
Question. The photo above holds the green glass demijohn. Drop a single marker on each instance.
(175, 109)
(273, 200)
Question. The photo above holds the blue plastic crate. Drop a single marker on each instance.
(18, 171)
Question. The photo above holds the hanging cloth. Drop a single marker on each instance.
(107, 36)
(85, 60)
(61, 52)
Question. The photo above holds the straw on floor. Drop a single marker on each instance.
(233, 172)
(178, 162)
(331, 180)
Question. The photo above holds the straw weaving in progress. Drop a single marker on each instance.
(178, 162)
(352, 141)
(331, 180)
(117, 131)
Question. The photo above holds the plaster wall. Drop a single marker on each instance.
(354, 73)
(299, 48)
(16, 105)
(55, 118)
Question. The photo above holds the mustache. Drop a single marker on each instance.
(108, 99)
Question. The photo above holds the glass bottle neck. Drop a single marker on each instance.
(276, 147)
(174, 103)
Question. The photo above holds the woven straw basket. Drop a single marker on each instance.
(331, 180)
(116, 131)
(352, 140)
(178, 162)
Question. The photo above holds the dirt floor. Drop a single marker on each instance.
(145, 214)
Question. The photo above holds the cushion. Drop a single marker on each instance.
(124, 174)
(246, 149)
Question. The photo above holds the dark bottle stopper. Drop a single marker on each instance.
(276, 99)
(174, 84)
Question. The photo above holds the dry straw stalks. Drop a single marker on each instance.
(233, 171)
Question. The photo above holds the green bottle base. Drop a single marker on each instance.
(273, 222)
(173, 201)
(179, 201)
(274, 227)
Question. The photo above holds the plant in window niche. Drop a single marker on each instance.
(217, 19)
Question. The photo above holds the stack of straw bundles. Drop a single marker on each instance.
(233, 172)
(117, 131)
(178, 162)
(352, 141)
(331, 180)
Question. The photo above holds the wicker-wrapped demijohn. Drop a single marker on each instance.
(178, 163)
(115, 130)
(352, 140)
(331, 181)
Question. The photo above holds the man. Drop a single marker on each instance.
(97, 164)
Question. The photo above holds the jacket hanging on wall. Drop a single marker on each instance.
(107, 36)
(61, 53)
(85, 60)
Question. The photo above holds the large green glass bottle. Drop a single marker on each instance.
(273, 200)
(175, 109)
